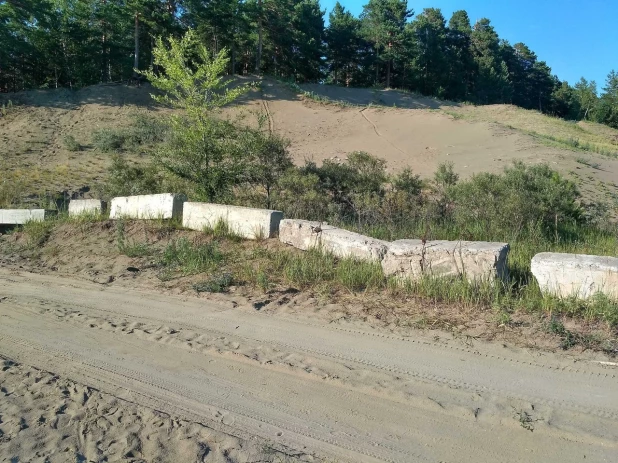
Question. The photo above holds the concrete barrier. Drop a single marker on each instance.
(21, 216)
(475, 260)
(243, 221)
(577, 275)
(86, 206)
(160, 206)
(303, 234)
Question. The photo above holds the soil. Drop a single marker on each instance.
(134, 371)
(406, 130)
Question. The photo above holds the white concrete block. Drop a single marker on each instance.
(21, 216)
(303, 234)
(244, 221)
(577, 275)
(86, 206)
(475, 260)
(160, 206)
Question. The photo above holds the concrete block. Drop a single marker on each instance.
(577, 275)
(244, 221)
(160, 206)
(86, 206)
(21, 216)
(475, 260)
(303, 234)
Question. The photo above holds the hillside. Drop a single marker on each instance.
(321, 122)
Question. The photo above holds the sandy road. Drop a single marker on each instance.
(335, 391)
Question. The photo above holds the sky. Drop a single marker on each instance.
(577, 38)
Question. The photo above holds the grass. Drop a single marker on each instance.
(552, 131)
(187, 258)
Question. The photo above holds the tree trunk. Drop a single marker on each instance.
(258, 58)
(136, 59)
(388, 74)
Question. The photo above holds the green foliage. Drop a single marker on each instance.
(127, 180)
(521, 199)
(215, 284)
(144, 130)
(38, 232)
(190, 258)
(71, 144)
(201, 149)
(108, 140)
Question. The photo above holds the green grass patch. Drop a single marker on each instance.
(187, 258)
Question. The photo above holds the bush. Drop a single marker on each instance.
(71, 144)
(515, 202)
(109, 140)
(126, 180)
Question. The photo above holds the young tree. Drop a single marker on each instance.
(202, 149)
(586, 96)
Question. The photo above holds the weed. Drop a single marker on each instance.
(38, 231)
(130, 248)
(263, 281)
(586, 162)
(525, 420)
(309, 269)
(215, 284)
(222, 230)
(71, 144)
(183, 256)
(357, 275)
(108, 140)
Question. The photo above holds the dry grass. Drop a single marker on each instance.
(584, 136)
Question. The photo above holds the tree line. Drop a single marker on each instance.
(73, 43)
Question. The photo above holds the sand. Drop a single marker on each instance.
(406, 130)
(338, 391)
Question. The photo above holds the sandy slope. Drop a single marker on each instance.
(327, 389)
(404, 129)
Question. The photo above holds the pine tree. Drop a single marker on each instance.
(383, 24)
(607, 112)
(492, 81)
(343, 43)
(461, 71)
(430, 63)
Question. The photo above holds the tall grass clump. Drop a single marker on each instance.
(189, 258)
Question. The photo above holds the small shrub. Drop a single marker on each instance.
(38, 232)
(71, 144)
(215, 284)
(109, 140)
(126, 180)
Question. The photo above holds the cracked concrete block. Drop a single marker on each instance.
(475, 260)
(159, 206)
(576, 275)
(304, 234)
(86, 206)
(244, 221)
(21, 216)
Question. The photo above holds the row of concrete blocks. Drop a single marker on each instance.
(562, 275)
(565, 275)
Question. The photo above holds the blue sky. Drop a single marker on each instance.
(575, 37)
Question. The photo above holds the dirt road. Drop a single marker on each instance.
(330, 390)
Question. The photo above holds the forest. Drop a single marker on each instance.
(74, 43)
